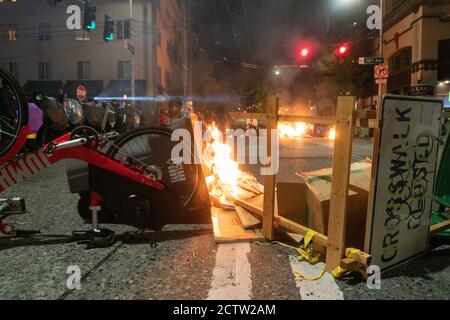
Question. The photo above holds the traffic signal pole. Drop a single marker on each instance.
(133, 81)
(380, 84)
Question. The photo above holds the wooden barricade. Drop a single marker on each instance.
(347, 118)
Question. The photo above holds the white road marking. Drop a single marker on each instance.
(323, 289)
(232, 273)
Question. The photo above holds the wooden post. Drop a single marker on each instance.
(270, 181)
(373, 176)
(340, 181)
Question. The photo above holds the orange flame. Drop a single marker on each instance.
(225, 175)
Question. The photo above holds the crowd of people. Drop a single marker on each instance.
(51, 117)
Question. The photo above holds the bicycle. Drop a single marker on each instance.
(152, 191)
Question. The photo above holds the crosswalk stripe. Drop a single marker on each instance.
(232, 273)
(323, 289)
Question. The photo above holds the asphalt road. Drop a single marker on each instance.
(183, 262)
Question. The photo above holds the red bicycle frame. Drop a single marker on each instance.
(16, 171)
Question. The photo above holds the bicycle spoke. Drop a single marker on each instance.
(4, 121)
(8, 134)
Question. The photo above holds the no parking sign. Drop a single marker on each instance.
(381, 72)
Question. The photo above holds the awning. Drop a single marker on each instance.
(47, 87)
(93, 87)
(117, 88)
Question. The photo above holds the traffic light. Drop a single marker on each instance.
(343, 50)
(90, 16)
(304, 53)
(108, 32)
(127, 29)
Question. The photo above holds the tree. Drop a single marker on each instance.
(349, 78)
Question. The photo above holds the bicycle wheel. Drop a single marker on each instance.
(13, 111)
(148, 150)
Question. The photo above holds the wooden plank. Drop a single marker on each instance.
(254, 208)
(296, 237)
(272, 104)
(320, 239)
(367, 123)
(255, 205)
(327, 121)
(440, 227)
(348, 263)
(287, 224)
(359, 114)
(228, 229)
(340, 182)
(365, 114)
(247, 219)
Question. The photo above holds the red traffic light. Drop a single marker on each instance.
(343, 50)
(304, 53)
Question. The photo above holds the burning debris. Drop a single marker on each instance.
(332, 134)
(226, 181)
(294, 130)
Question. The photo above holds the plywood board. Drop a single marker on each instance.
(247, 219)
(399, 217)
(228, 228)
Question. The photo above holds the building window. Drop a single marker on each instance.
(82, 35)
(124, 70)
(120, 29)
(444, 60)
(123, 29)
(84, 70)
(12, 32)
(8, 32)
(44, 31)
(393, 4)
(45, 71)
(400, 71)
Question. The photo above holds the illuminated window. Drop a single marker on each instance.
(12, 32)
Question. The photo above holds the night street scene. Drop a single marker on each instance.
(225, 156)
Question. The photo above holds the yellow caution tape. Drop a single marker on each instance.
(340, 272)
(307, 254)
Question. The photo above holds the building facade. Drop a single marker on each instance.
(416, 44)
(39, 49)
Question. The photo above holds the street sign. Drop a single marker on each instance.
(371, 60)
(381, 72)
(402, 195)
(421, 90)
(81, 93)
(131, 48)
(381, 81)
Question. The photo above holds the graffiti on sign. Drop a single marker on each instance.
(402, 202)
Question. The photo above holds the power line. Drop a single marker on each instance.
(247, 29)
(233, 29)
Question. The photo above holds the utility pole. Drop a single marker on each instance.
(380, 84)
(186, 47)
(133, 76)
